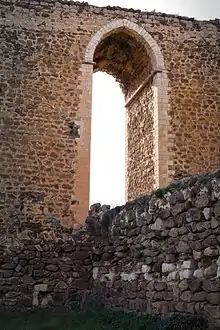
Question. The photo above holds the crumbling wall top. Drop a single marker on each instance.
(85, 6)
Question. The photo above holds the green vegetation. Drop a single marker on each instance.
(94, 319)
(160, 192)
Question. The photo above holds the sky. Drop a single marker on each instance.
(107, 166)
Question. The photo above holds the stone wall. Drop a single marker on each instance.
(141, 160)
(157, 254)
(42, 264)
(46, 98)
(161, 253)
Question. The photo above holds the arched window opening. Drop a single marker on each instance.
(127, 52)
(107, 160)
(124, 56)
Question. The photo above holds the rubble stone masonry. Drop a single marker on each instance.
(157, 254)
(168, 68)
(160, 253)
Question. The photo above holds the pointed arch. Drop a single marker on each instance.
(140, 33)
(160, 113)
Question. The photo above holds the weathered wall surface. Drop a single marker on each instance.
(156, 254)
(140, 162)
(161, 253)
(42, 264)
(43, 47)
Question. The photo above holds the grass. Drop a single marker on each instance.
(92, 319)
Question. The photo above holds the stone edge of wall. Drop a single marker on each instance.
(47, 4)
(189, 180)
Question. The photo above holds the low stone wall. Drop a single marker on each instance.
(157, 254)
(42, 264)
(160, 253)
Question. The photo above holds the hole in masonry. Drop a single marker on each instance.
(74, 130)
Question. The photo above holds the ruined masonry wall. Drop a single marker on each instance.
(161, 253)
(157, 254)
(42, 264)
(43, 47)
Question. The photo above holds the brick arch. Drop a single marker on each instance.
(160, 86)
(139, 32)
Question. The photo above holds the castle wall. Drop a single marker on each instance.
(156, 254)
(160, 253)
(42, 263)
(42, 91)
